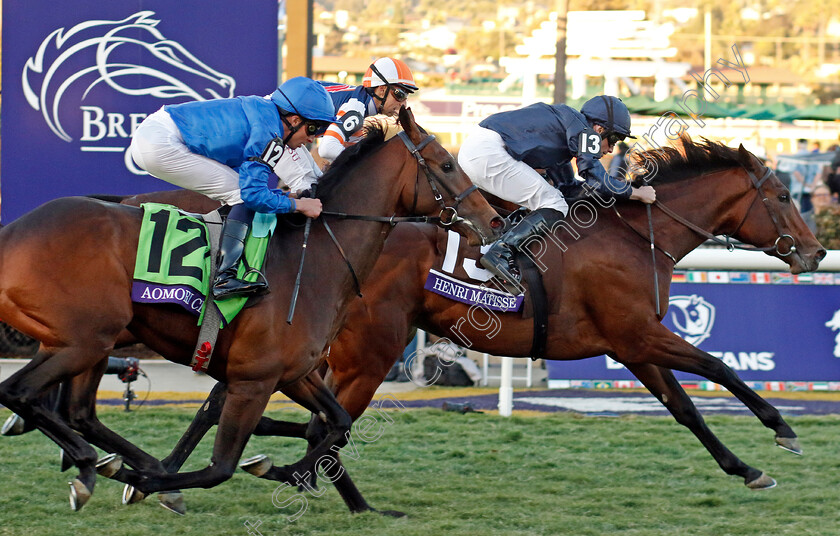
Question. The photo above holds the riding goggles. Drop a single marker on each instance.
(614, 137)
(315, 128)
(400, 95)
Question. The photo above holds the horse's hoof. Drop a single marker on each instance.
(790, 444)
(65, 460)
(257, 465)
(762, 482)
(173, 501)
(79, 494)
(132, 495)
(109, 465)
(14, 425)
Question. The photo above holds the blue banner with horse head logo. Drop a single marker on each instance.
(79, 76)
(767, 326)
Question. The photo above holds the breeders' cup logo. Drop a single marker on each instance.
(834, 324)
(693, 318)
(104, 52)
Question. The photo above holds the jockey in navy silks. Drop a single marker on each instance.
(227, 149)
(502, 155)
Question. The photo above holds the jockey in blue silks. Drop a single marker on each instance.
(227, 149)
(503, 153)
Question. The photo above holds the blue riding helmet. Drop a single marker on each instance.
(610, 112)
(305, 97)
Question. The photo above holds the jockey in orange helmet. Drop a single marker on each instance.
(386, 85)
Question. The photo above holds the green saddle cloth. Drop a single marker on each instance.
(173, 260)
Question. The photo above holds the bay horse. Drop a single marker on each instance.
(65, 279)
(601, 293)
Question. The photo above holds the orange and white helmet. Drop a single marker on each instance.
(389, 71)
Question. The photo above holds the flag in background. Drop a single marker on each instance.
(696, 277)
(718, 277)
(739, 277)
(760, 277)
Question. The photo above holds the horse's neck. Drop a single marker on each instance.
(703, 201)
(372, 189)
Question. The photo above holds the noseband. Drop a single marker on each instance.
(451, 211)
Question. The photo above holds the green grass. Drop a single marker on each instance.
(559, 474)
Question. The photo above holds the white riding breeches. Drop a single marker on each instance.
(484, 159)
(157, 147)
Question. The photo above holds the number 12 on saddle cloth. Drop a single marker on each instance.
(173, 260)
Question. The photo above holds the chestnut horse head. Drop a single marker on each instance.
(431, 183)
(741, 198)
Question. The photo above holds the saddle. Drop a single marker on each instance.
(459, 277)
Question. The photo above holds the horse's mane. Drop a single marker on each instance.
(350, 157)
(688, 159)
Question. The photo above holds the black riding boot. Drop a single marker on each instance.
(499, 258)
(232, 247)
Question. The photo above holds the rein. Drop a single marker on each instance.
(393, 220)
(728, 242)
(757, 183)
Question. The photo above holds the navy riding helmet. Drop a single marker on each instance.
(610, 112)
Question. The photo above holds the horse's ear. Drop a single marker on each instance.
(748, 160)
(409, 125)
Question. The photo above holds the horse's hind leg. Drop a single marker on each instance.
(79, 407)
(675, 353)
(16, 425)
(665, 387)
(20, 393)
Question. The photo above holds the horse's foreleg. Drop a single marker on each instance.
(671, 351)
(662, 384)
(241, 412)
(21, 392)
(205, 418)
(313, 394)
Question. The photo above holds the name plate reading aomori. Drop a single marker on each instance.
(472, 294)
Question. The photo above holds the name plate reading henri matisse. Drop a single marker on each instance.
(472, 294)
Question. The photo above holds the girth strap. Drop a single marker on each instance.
(212, 320)
(539, 302)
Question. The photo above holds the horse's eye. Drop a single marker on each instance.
(784, 198)
(447, 167)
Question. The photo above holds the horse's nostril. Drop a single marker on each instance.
(497, 223)
(821, 254)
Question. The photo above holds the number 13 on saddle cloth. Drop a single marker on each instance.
(173, 260)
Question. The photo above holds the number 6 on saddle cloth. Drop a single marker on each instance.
(174, 260)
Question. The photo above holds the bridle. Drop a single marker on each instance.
(759, 193)
(433, 179)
